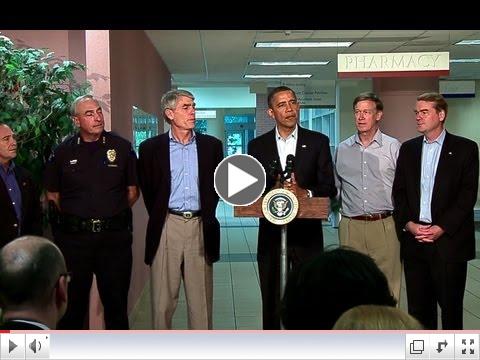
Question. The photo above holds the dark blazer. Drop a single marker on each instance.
(313, 170)
(31, 223)
(154, 176)
(18, 325)
(454, 195)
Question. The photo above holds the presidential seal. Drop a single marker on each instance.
(280, 206)
(111, 155)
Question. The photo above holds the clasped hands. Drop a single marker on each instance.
(424, 233)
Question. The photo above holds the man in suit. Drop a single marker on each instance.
(33, 284)
(313, 173)
(19, 196)
(434, 191)
(176, 172)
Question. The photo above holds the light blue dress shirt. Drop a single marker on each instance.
(184, 194)
(430, 156)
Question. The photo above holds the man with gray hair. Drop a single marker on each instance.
(176, 172)
(33, 284)
(92, 181)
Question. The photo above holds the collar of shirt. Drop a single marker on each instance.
(36, 323)
(376, 138)
(439, 140)
(292, 135)
(101, 139)
(172, 138)
(9, 170)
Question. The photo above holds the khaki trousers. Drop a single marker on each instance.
(181, 255)
(378, 239)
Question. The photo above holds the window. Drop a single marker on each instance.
(144, 126)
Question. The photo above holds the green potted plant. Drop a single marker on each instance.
(36, 91)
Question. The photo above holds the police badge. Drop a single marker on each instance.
(111, 155)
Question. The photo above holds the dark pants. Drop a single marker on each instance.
(431, 280)
(269, 273)
(108, 255)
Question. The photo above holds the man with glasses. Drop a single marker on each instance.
(435, 190)
(33, 284)
(364, 169)
(19, 195)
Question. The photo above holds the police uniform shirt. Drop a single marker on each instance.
(92, 177)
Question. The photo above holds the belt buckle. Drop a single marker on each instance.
(96, 226)
(187, 215)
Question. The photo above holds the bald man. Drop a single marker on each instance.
(19, 195)
(33, 284)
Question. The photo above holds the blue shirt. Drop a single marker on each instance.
(184, 192)
(430, 156)
(8, 177)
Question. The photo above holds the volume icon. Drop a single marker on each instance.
(35, 346)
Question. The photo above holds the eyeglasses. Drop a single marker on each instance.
(422, 113)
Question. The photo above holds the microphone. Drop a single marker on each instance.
(290, 163)
(274, 169)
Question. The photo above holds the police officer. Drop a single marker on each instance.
(91, 180)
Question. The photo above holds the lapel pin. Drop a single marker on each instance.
(304, 146)
(449, 153)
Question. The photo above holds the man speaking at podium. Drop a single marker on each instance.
(313, 173)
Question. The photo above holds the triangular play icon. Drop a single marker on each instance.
(238, 180)
(11, 346)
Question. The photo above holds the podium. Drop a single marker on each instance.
(308, 208)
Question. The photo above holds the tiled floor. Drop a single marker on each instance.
(237, 301)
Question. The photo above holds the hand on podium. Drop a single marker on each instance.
(293, 187)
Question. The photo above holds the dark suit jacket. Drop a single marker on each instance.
(154, 176)
(313, 170)
(31, 223)
(18, 325)
(454, 196)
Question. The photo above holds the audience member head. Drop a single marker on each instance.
(321, 290)
(33, 281)
(376, 317)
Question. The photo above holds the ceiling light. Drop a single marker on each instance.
(472, 60)
(278, 76)
(287, 63)
(468, 42)
(303, 44)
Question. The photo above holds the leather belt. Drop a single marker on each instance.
(372, 216)
(74, 224)
(185, 214)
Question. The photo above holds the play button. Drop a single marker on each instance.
(239, 180)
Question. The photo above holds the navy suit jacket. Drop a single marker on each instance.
(313, 170)
(31, 223)
(453, 199)
(155, 183)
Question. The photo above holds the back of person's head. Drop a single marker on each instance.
(30, 268)
(322, 289)
(376, 317)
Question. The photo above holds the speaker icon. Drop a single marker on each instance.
(35, 346)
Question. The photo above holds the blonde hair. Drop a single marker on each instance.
(376, 317)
